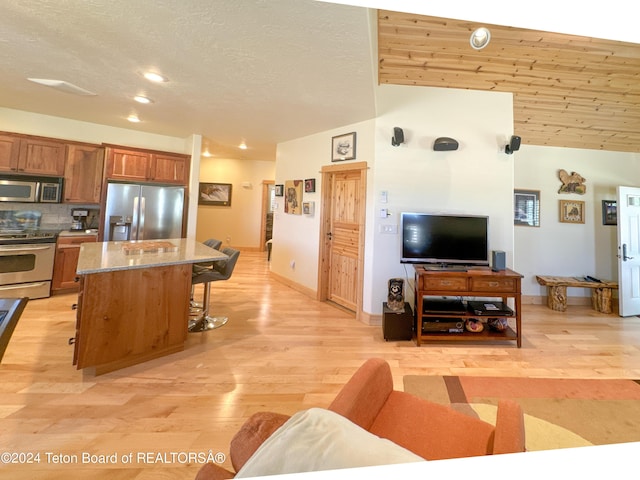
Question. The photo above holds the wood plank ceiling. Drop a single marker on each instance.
(569, 91)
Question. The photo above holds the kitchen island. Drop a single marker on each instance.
(133, 304)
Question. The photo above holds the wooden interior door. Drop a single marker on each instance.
(342, 235)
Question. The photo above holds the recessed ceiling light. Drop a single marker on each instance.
(480, 38)
(142, 99)
(133, 118)
(207, 153)
(62, 86)
(155, 77)
(242, 146)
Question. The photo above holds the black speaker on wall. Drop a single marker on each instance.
(513, 146)
(398, 136)
(444, 144)
(498, 261)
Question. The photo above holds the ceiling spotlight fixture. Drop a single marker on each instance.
(155, 77)
(207, 153)
(133, 118)
(242, 146)
(480, 38)
(62, 86)
(142, 99)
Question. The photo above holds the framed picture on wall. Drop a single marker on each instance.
(343, 147)
(310, 185)
(571, 211)
(214, 194)
(279, 190)
(609, 212)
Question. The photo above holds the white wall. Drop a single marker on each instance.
(475, 179)
(565, 249)
(296, 237)
(237, 225)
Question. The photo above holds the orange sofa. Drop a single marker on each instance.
(429, 430)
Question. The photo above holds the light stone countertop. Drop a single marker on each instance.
(99, 257)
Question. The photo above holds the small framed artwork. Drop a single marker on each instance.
(308, 207)
(215, 194)
(293, 197)
(310, 185)
(571, 211)
(609, 212)
(526, 208)
(343, 147)
(279, 190)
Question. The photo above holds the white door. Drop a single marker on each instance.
(629, 251)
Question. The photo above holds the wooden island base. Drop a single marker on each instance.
(133, 304)
(131, 316)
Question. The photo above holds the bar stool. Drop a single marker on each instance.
(194, 306)
(221, 270)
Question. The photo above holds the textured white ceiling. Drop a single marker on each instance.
(263, 71)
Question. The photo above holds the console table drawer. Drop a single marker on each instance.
(454, 284)
(493, 284)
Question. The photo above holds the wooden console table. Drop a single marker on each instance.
(475, 282)
(557, 292)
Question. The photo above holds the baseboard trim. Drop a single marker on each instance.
(296, 286)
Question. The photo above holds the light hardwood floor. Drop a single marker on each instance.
(280, 351)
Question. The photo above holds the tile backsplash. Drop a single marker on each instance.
(52, 215)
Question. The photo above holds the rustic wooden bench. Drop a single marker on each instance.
(557, 292)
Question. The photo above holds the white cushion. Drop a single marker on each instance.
(319, 439)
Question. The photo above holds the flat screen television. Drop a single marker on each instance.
(445, 240)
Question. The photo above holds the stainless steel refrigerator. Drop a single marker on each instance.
(143, 212)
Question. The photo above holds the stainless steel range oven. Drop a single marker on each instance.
(26, 264)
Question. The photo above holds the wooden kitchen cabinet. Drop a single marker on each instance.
(147, 166)
(32, 155)
(123, 164)
(66, 262)
(168, 168)
(9, 152)
(83, 173)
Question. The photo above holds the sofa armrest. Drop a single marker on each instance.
(362, 397)
(252, 434)
(509, 433)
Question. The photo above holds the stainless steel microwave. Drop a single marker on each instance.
(27, 189)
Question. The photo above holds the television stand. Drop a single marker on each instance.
(504, 284)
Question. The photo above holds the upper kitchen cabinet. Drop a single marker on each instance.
(170, 168)
(9, 152)
(149, 166)
(123, 164)
(83, 173)
(35, 155)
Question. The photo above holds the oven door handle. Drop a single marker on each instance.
(23, 248)
(21, 285)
